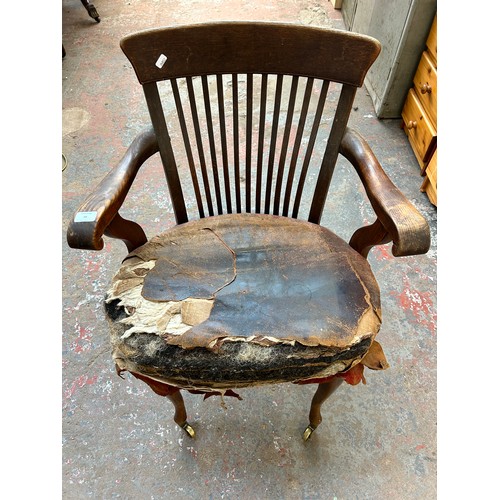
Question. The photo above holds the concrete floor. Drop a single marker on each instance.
(119, 440)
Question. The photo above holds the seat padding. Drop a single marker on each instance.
(235, 300)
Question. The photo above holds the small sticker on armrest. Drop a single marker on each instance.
(161, 61)
(85, 216)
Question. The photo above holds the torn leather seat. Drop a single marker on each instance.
(235, 301)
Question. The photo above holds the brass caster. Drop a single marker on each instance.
(307, 433)
(189, 430)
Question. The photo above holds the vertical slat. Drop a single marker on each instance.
(167, 155)
(310, 146)
(332, 150)
(211, 142)
(260, 150)
(199, 144)
(236, 143)
(223, 138)
(248, 150)
(296, 147)
(187, 145)
(272, 146)
(284, 144)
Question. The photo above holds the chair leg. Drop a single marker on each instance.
(323, 392)
(180, 415)
(92, 11)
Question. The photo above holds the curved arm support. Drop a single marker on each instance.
(98, 214)
(397, 219)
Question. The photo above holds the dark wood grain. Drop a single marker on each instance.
(223, 136)
(332, 150)
(199, 145)
(284, 145)
(260, 149)
(310, 147)
(248, 145)
(236, 142)
(126, 230)
(251, 47)
(187, 145)
(296, 148)
(272, 146)
(166, 151)
(406, 227)
(110, 193)
(365, 238)
(211, 141)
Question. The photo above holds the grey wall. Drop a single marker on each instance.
(402, 27)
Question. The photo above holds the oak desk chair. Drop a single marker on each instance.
(247, 293)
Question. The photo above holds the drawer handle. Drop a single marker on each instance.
(426, 88)
(411, 125)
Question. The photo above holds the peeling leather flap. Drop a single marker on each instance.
(375, 358)
(267, 277)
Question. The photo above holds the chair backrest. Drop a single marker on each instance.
(249, 99)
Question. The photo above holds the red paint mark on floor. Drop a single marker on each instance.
(420, 447)
(80, 382)
(83, 340)
(419, 304)
(92, 268)
(382, 253)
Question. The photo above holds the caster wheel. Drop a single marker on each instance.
(308, 432)
(189, 430)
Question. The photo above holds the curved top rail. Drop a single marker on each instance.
(250, 47)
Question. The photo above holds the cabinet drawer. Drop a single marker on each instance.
(421, 133)
(425, 81)
(431, 171)
(429, 185)
(431, 192)
(432, 45)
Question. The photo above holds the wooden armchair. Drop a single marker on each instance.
(252, 290)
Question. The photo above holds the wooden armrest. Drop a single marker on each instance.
(98, 214)
(397, 219)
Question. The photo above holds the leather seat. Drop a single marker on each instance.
(236, 300)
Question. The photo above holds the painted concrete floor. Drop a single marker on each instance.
(119, 440)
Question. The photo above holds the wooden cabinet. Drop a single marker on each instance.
(425, 81)
(430, 182)
(419, 127)
(420, 115)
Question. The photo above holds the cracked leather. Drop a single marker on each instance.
(270, 276)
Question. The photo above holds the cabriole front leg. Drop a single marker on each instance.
(323, 392)
(180, 415)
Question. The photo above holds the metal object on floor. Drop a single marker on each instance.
(92, 11)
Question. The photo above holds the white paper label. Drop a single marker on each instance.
(85, 216)
(161, 61)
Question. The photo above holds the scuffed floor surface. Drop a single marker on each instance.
(377, 441)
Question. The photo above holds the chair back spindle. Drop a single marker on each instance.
(250, 101)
